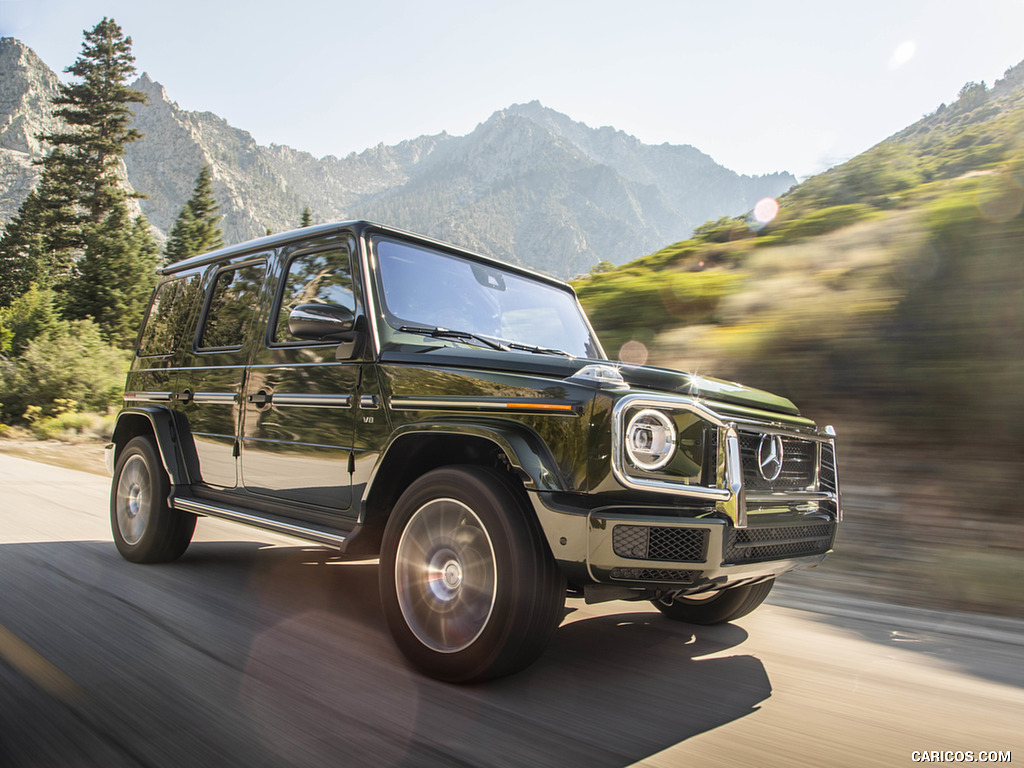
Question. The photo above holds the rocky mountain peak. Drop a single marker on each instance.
(26, 90)
(154, 91)
(529, 184)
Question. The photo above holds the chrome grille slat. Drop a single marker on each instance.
(799, 464)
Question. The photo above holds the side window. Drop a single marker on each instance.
(233, 300)
(314, 278)
(168, 314)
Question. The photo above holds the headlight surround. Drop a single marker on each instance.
(650, 439)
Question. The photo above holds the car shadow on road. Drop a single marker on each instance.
(610, 690)
(258, 655)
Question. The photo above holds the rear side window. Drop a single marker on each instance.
(168, 314)
(314, 278)
(233, 301)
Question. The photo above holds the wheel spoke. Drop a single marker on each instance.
(445, 575)
(134, 499)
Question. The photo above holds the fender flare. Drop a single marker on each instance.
(161, 423)
(526, 452)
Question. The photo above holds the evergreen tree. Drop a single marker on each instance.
(197, 228)
(97, 111)
(115, 276)
(22, 253)
(307, 218)
(75, 227)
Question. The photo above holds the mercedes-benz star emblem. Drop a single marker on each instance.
(769, 457)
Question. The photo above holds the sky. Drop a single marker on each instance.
(760, 86)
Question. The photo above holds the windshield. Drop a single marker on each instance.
(424, 289)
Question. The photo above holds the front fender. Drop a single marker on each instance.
(525, 450)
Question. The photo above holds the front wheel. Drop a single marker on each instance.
(145, 528)
(469, 588)
(715, 607)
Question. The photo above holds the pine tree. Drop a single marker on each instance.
(179, 243)
(115, 276)
(22, 253)
(75, 227)
(197, 228)
(307, 218)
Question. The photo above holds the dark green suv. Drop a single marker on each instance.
(386, 394)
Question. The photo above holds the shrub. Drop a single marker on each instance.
(621, 304)
(68, 362)
(72, 426)
(820, 222)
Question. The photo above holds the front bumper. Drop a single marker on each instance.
(654, 548)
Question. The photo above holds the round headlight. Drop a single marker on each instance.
(650, 439)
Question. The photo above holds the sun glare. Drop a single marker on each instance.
(904, 52)
(766, 210)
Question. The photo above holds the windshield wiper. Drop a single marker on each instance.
(447, 333)
(538, 350)
(504, 344)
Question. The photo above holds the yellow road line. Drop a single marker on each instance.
(36, 668)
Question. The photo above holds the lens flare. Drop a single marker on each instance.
(904, 52)
(766, 210)
(1003, 201)
(634, 352)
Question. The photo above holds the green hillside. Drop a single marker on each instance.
(886, 297)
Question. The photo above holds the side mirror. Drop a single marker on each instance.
(320, 322)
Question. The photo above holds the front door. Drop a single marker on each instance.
(300, 398)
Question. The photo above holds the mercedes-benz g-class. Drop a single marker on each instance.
(389, 395)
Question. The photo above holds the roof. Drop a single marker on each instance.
(358, 227)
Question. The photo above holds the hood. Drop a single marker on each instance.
(638, 377)
(681, 383)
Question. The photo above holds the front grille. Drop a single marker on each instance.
(641, 542)
(750, 545)
(799, 463)
(654, 574)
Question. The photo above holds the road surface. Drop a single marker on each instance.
(259, 650)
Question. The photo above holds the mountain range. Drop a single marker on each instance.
(529, 185)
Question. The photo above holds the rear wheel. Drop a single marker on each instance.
(715, 607)
(469, 588)
(145, 528)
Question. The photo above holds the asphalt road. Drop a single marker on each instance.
(258, 650)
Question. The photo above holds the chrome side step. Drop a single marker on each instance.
(237, 515)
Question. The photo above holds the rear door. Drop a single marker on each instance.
(211, 381)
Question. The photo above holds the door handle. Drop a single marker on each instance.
(260, 399)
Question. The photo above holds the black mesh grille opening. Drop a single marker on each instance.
(799, 462)
(641, 542)
(747, 545)
(654, 574)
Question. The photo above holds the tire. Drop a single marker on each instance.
(145, 528)
(469, 588)
(717, 607)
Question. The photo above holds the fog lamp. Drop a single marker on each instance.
(650, 439)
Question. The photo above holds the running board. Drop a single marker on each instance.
(238, 515)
